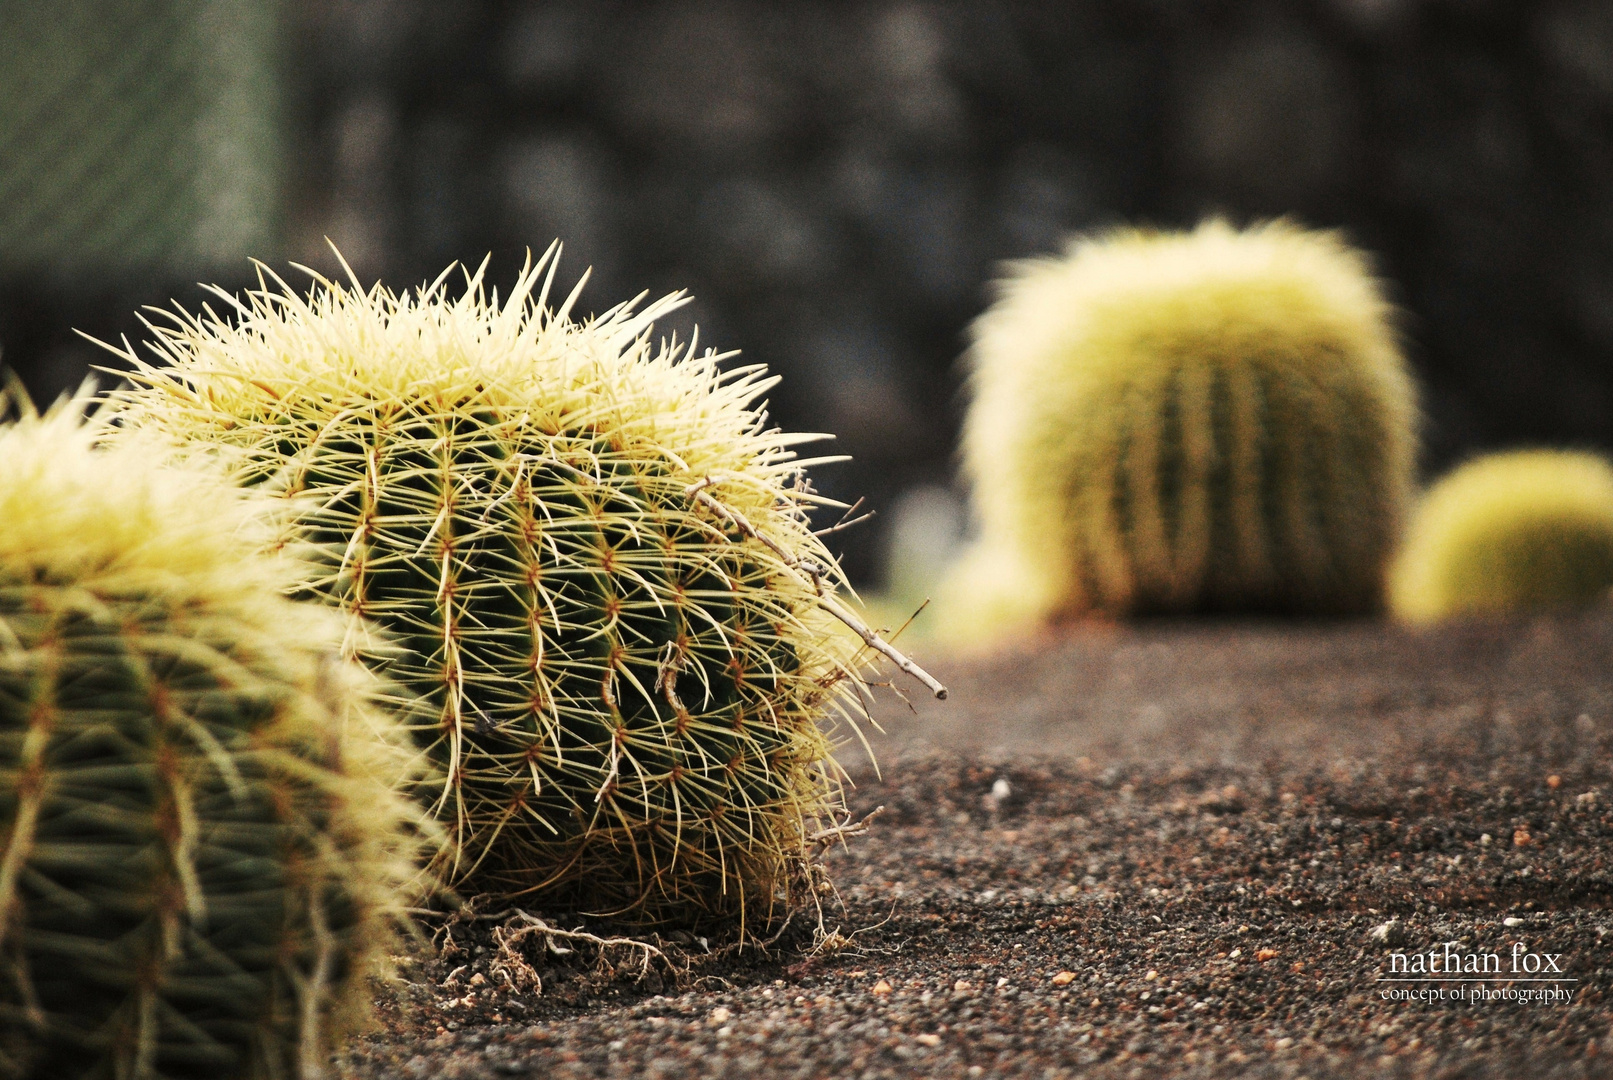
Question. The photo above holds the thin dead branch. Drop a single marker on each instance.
(846, 520)
(814, 573)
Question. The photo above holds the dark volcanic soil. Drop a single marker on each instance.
(1166, 850)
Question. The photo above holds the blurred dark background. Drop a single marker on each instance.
(835, 182)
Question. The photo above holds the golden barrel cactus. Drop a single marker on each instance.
(592, 561)
(1217, 420)
(201, 854)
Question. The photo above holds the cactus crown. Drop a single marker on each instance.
(623, 700)
(1528, 530)
(202, 854)
(1216, 419)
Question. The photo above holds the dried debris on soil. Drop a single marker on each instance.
(1163, 851)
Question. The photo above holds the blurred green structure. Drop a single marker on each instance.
(137, 134)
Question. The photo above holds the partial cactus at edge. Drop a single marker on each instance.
(202, 855)
(1524, 531)
(1178, 422)
(628, 698)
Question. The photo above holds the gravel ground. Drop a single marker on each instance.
(1162, 850)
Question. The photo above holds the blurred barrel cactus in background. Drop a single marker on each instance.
(592, 560)
(1525, 531)
(1166, 422)
(202, 851)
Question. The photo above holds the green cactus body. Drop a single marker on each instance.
(1524, 531)
(199, 864)
(1216, 420)
(625, 698)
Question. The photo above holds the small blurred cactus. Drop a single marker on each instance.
(200, 865)
(592, 555)
(1179, 422)
(1525, 531)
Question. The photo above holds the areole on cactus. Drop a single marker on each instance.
(202, 851)
(1213, 420)
(590, 558)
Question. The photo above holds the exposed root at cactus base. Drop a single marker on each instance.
(494, 959)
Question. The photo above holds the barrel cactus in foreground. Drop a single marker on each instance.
(1528, 530)
(1177, 422)
(200, 855)
(593, 561)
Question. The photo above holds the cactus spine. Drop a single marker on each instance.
(625, 693)
(1529, 530)
(1216, 420)
(199, 865)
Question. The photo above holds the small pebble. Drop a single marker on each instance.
(1511, 921)
(927, 1040)
(1392, 932)
(719, 1015)
(1265, 954)
(882, 988)
(962, 986)
(1554, 781)
(1064, 978)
